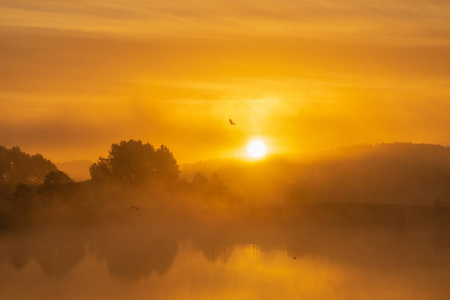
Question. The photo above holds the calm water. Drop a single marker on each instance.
(131, 262)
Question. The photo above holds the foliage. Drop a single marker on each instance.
(213, 186)
(134, 161)
(56, 179)
(199, 180)
(22, 191)
(17, 166)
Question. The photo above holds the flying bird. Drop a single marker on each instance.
(231, 122)
(136, 208)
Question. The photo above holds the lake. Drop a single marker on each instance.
(148, 261)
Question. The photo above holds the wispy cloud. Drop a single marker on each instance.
(386, 20)
(173, 71)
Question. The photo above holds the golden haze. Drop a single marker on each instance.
(76, 77)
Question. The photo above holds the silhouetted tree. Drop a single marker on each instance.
(21, 204)
(165, 164)
(56, 179)
(4, 164)
(22, 191)
(200, 180)
(101, 169)
(216, 185)
(133, 161)
(17, 166)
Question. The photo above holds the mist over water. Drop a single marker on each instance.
(252, 201)
(265, 233)
(135, 259)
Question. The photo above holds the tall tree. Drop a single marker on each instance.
(134, 161)
(17, 166)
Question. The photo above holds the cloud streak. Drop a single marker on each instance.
(174, 72)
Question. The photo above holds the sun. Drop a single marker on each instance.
(256, 149)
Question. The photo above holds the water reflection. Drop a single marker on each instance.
(131, 254)
(334, 260)
(249, 273)
(55, 250)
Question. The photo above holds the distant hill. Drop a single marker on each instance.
(78, 170)
(396, 173)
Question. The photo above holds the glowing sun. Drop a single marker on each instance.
(256, 149)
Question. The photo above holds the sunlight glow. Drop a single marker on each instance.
(256, 149)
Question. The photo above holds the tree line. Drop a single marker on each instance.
(35, 185)
(127, 161)
(20, 167)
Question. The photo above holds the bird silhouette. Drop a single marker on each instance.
(231, 122)
(136, 208)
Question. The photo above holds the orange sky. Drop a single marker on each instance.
(76, 76)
